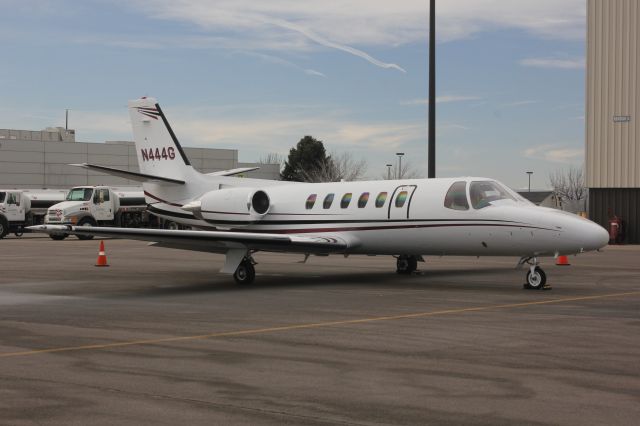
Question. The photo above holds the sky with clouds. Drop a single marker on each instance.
(259, 75)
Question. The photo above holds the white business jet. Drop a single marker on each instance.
(405, 218)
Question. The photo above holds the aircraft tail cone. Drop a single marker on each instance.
(102, 257)
(562, 261)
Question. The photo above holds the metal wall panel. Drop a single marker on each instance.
(613, 82)
(26, 163)
(622, 202)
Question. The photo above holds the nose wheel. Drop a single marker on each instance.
(536, 277)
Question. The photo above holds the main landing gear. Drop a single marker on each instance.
(245, 273)
(536, 278)
(406, 265)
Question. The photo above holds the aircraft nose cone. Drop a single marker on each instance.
(594, 236)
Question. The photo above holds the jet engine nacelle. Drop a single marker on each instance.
(234, 206)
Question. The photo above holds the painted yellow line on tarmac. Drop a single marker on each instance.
(255, 331)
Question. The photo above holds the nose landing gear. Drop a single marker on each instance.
(536, 278)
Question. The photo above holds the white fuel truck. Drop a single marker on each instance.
(25, 207)
(100, 206)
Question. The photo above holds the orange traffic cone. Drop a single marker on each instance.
(102, 258)
(562, 261)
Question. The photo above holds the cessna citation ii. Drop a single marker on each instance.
(403, 218)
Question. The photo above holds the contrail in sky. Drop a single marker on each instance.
(328, 43)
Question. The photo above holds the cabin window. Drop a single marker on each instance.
(456, 197)
(381, 199)
(2, 195)
(363, 200)
(483, 193)
(311, 201)
(346, 200)
(401, 198)
(328, 200)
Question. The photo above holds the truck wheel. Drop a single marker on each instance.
(86, 222)
(58, 237)
(4, 228)
(171, 225)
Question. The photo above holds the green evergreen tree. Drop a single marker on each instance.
(308, 155)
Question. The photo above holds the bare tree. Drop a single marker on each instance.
(569, 184)
(337, 167)
(407, 172)
(272, 158)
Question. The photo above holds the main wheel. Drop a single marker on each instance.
(4, 228)
(58, 237)
(246, 273)
(406, 264)
(536, 279)
(86, 222)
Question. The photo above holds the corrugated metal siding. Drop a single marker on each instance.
(624, 203)
(613, 82)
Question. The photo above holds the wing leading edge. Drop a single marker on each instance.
(211, 241)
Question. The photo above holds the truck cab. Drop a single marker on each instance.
(12, 212)
(20, 208)
(11, 205)
(84, 205)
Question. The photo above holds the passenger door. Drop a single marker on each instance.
(400, 202)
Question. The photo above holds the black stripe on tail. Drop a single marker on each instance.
(173, 136)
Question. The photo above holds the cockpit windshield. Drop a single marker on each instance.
(483, 193)
(80, 194)
(2, 195)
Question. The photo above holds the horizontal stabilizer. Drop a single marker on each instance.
(139, 177)
(233, 171)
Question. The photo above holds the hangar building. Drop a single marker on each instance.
(613, 113)
(40, 159)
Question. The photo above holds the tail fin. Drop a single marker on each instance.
(158, 150)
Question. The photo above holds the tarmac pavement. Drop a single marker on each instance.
(160, 337)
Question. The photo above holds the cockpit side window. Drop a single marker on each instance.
(456, 197)
(484, 192)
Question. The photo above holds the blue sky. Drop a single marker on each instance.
(259, 75)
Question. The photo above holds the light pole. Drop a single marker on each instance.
(529, 173)
(431, 172)
(389, 171)
(399, 174)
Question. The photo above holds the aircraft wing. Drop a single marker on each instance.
(212, 241)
